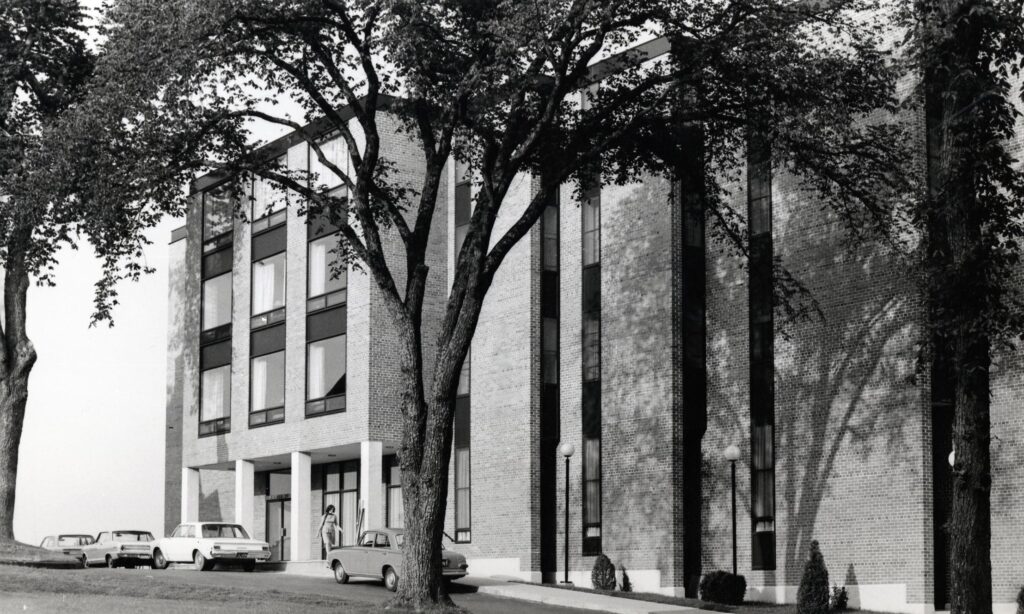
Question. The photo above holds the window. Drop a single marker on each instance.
(328, 277)
(268, 286)
(217, 301)
(463, 204)
(463, 520)
(549, 347)
(762, 354)
(592, 225)
(333, 148)
(549, 235)
(269, 206)
(215, 400)
(228, 531)
(325, 373)
(464, 375)
(382, 541)
(341, 489)
(592, 488)
(368, 539)
(218, 217)
(393, 493)
(266, 380)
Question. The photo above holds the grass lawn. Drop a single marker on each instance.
(47, 590)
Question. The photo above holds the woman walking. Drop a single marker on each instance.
(329, 529)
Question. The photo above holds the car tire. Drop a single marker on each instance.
(111, 562)
(159, 560)
(390, 579)
(200, 562)
(339, 573)
(249, 566)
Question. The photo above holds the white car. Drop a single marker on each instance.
(120, 549)
(205, 543)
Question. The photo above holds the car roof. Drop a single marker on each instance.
(73, 535)
(388, 531)
(131, 531)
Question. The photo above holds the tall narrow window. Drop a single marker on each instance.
(463, 204)
(216, 400)
(218, 218)
(269, 208)
(591, 312)
(326, 321)
(463, 504)
(326, 364)
(218, 206)
(217, 301)
(268, 290)
(333, 149)
(266, 379)
(762, 354)
(550, 405)
(393, 493)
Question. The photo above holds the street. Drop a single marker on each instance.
(178, 590)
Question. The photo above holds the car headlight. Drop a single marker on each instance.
(266, 548)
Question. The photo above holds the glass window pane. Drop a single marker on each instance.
(460, 237)
(216, 398)
(218, 213)
(267, 381)
(268, 284)
(325, 366)
(333, 482)
(267, 197)
(464, 376)
(217, 301)
(335, 152)
(350, 476)
(396, 509)
(591, 348)
(325, 274)
(279, 484)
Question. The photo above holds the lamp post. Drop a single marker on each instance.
(732, 454)
(567, 450)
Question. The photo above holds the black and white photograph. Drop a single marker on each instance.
(501, 306)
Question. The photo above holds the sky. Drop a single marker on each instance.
(92, 450)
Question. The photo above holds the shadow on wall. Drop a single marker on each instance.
(844, 394)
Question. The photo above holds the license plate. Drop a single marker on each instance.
(242, 555)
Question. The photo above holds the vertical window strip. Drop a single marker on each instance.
(591, 362)
(463, 206)
(762, 341)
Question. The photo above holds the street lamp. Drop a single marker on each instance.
(732, 454)
(567, 450)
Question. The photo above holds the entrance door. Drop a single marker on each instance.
(279, 516)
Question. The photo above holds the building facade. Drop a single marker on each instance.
(611, 326)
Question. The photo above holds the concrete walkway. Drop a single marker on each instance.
(571, 599)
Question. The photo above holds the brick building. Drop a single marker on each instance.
(603, 328)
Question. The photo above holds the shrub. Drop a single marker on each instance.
(603, 575)
(812, 597)
(723, 587)
(839, 598)
(1020, 601)
(626, 586)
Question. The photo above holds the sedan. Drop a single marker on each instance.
(120, 549)
(206, 543)
(378, 555)
(70, 544)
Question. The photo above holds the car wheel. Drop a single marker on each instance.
(201, 562)
(390, 579)
(339, 573)
(159, 561)
(249, 566)
(111, 562)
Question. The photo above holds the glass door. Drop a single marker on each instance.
(279, 512)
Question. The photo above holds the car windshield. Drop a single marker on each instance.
(133, 536)
(399, 539)
(74, 540)
(224, 530)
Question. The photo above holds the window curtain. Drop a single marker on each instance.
(215, 394)
(317, 355)
(263, 286)
(259, 383)
(317, 268)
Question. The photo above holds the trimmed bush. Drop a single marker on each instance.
(603, 574)
(1020, 601)
(812, 597)
(840, 599)
(626, 586)
(723, 587)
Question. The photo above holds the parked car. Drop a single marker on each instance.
(70, 544)
(206, 543)
(120, 549)
(378, 555)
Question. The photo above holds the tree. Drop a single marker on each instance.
(497, 85)
(812, 596)
(968, 52)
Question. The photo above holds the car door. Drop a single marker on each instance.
(98, 550)
(172, 546)
(361, 552)
(382, 554)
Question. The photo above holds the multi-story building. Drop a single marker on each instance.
(609, 326)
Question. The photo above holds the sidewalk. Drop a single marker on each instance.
(569, 599)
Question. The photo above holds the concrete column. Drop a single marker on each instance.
(189, 494)
(370, 479)
(299, 533)
(245, 478)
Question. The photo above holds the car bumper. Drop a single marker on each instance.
(233, 555)
(132, 556)
(454, 574)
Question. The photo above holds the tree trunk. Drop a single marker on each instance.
(13, 396)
